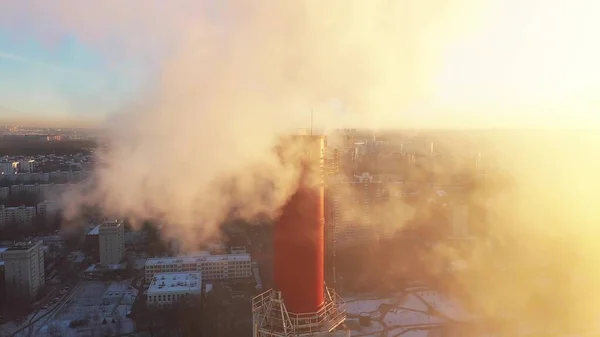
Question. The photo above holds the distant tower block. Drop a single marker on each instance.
(300, 304)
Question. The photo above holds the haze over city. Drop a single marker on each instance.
(491, 102)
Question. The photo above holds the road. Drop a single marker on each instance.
(56, 310)
(51, 312)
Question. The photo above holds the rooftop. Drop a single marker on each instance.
(113, 223)
(98, 268)
(18, 207)
(23, 245)
(94, 231)
(164, 282)
(201, 257)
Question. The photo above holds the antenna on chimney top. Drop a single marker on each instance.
(311, 121)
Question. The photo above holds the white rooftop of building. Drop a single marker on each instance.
(113, 223)
(167, 282)
(203, 257)
(94, 231)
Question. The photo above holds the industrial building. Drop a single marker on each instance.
(212, 267)
(24, 274)
(300, 304)
(168, 288)
(111, 242)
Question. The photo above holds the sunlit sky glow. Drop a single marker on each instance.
(483, 63)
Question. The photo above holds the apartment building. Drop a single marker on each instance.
(27, 166)
(8, 167)
(47, 209)
(24, 271)
(168, 288)
(4, 192)
(39, 177)
(111, 242)
(19, 215)
(212, 267)
(40, 190)
(355, 204)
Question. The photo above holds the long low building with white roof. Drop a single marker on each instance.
(168, 288)
(212, 267)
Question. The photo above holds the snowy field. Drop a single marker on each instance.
(444, 305)
(415, 313)
(103, 306)
(360, 307)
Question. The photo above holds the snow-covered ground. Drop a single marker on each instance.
(444, 305)
(367, 306)
(405, 332)
(409, 314)
(103, 305)
(396, 317)
(413, 302)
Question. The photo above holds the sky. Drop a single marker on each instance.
(483, 63)
(63, 79)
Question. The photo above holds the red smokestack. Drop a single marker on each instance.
(299, 231)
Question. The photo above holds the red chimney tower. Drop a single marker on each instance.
(300, 304)
(300, 232)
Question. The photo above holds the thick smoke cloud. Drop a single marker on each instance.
(238, 75)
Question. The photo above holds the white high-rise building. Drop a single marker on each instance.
(111, 242)
(24, 274)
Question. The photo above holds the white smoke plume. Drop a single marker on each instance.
(237, 78)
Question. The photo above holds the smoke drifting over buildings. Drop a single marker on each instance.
(234, 81)
(234, 75)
